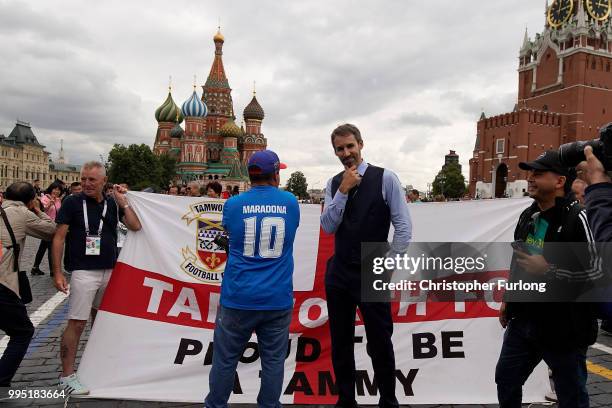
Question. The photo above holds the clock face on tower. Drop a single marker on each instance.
(560, 11)
(599, 9)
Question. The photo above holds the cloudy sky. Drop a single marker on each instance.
(412, 75)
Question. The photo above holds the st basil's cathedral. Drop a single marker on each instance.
(210, 146)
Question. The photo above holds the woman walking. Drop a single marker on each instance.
(51, 203)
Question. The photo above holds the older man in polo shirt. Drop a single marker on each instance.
(88, 221)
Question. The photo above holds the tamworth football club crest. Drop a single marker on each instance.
(205, 261)
(210, 254)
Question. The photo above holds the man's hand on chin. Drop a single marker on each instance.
(350, 179)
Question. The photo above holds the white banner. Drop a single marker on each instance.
(153, 334)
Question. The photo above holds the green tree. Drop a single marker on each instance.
(138, 166)
(449, 182)
(297, 185)
(168, 169)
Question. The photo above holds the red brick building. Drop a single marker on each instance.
(564, 95)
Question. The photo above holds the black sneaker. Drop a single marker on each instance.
(36, 271)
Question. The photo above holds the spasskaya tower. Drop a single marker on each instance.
(564, 94)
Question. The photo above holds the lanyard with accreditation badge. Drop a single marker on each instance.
(92, 242)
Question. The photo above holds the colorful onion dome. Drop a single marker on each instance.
(253, 110)
(168, 111)
(194, 107)
(229, 129)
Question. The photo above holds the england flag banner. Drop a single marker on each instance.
(153, 335)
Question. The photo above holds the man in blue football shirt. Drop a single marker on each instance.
(257, 288)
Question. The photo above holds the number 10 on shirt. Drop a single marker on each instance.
(271, 236)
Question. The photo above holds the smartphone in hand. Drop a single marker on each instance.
(520, 245)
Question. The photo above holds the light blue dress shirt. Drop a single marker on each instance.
(393, 194)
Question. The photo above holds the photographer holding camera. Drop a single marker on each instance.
(594, 158)
(20, 217)
(598, 199)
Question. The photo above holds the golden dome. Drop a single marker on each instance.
(229, 129)
(219, 36)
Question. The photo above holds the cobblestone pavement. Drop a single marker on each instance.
(41, 365)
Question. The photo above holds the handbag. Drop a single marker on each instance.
(25, 291)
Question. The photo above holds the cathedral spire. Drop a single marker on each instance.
(217, 77)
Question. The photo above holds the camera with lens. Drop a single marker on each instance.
(570, 154)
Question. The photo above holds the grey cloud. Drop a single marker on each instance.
(492, 103)
(61, 84)
(327, 81)
(20, 18)
(420, 119)
(415, 142)
(99, 70)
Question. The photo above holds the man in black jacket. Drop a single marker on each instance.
(558, 333)
(598, 199)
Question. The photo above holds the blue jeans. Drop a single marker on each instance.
(232, 332)
(522, 351)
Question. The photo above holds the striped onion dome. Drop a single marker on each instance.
(229, 129)
(194, 107)
(168, 111)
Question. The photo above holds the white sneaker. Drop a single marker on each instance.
(551, 396)
(72, 385)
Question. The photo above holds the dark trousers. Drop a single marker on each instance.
(341, 306)
(14, 321)
(45, 246)
(522, 351)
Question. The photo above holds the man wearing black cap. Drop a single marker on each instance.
(257, 288)
(558, 333)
